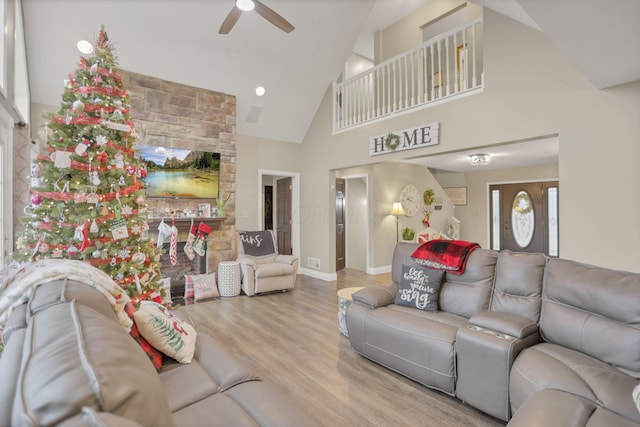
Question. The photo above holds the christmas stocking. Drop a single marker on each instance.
(164, 231)
(188, 246)
(201, 238)
(173, 246)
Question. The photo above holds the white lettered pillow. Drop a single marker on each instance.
(165, 331)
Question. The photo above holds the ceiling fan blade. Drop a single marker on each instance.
(273, 17)
(230, 20)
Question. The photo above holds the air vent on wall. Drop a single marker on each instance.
(254, 113)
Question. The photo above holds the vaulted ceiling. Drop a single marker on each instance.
(179, 41)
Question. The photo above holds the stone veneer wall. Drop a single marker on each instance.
(175, 115)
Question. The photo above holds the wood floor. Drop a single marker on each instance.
(292, 340)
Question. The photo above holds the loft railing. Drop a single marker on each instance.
(447, 66)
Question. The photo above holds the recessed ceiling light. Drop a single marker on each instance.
(479, 159)
(260, 91)
(245, 5)
(85, 47)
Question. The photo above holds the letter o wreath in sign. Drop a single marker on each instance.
(391, 141)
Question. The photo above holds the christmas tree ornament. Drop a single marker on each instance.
(102, 157)
(118, 159)
(95, 254)
(81, 149)
(93, 197)
(138, 258)
(101, 140)
(95, 178)
(118, 227)
(140, 200)
(61, 159)
(78, 106)
(36, 199)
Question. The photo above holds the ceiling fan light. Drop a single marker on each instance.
(245, 5)
(479, 159)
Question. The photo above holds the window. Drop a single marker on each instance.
(6, 185)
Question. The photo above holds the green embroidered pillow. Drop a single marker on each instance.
(165, 331)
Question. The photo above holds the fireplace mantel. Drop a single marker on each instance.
(184, 224)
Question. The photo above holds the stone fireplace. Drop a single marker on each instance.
(199, 264)
(175, 115)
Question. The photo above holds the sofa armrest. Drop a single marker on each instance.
(246, 262)
(376, 296)
(504, 323)
(286, 259)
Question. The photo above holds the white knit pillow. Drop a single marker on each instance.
(165, 331)
(636, 396)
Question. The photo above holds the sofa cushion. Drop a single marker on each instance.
(419, 288)
(594, 311)
(64, 290)
(551, 366)
(518, 284)
(214, 369)
(10, 361)
(88, 361)
(166, 332)
(554, 408)
(416, 343)
(469, 293)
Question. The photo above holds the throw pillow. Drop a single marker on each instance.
(419, 287)
(165, 331)
(202, 286)
(636, 396)
(154, 355)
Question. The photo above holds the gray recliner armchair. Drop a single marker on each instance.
(263, 269)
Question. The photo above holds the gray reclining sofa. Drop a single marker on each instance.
(68, 362)
(546, 341)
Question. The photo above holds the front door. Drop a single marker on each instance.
(284, 190)
(524, 217)
(340, 224)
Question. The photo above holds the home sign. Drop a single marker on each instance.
(406, 139)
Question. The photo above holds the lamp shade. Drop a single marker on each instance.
(397, 209)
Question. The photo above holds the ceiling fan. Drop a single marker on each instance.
(262, 10)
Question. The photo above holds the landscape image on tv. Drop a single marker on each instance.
(177, 172)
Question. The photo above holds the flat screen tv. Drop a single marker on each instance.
(178, 172)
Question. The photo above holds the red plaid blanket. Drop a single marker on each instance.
(449, 255)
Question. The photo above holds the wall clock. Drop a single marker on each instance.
(410, 200)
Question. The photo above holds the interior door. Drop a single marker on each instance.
(522, 214)
(284, 190)
(340, 224)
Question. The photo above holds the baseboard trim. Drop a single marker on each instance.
(379, 270)
(327, 277)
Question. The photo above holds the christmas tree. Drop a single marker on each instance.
(87, 201)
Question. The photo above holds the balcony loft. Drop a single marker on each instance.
(441, 69)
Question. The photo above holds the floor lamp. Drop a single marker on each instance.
(396, 211)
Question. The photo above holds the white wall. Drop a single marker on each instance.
(531, 90)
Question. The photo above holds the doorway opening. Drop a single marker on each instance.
(285, 209)
(353, 232)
